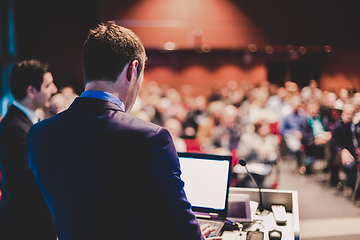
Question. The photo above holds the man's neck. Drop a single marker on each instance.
(104, 86)
(27, 103)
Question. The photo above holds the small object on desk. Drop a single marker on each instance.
(279, 214)
(255, 235)
(231, 226)
(275, 235)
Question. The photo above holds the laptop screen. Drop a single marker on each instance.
(206, 179)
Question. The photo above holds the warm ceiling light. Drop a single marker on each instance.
(302, 50)
(252, 47)
(269, 49)
(290, 48)
(169, 46)
(327, 48)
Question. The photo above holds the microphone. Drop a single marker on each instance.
(242, 162)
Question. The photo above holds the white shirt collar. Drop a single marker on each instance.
(27, 111)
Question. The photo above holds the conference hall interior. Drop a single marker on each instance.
(224, 77)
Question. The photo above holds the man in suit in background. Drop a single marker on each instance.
(345, 147)
(115, 176)
(24, 213)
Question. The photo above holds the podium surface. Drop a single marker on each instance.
(266, 222)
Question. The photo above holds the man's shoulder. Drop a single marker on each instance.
(136, 124)
(109, 122)
(14, 120)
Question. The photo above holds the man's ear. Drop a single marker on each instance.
(132, 69)
(30, 91)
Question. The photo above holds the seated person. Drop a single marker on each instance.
(290, 128)
(315, 135)
(258, 109)
(226, 134)
(261, 147)
(344, 144)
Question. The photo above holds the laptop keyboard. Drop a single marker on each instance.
(216, 224)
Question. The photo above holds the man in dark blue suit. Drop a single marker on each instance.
(23, 210)
(345, 147)
(104, 173)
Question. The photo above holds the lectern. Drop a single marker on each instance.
(266, 222)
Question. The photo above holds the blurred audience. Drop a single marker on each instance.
(57, 105)
(327, 108)
(69, 93)
(175, 128)
(279, 104)
(291, 131)
(236, 116)
(311, 92)
(227, 134)
(315, 135)
(343, 98)
(258, 109)
(259, 148)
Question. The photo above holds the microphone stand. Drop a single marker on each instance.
(242, 162)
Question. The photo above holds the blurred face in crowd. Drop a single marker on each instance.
(47, 89)
(348, 113)
(264, 129)
(330, 99)
(58, 103)
(282, 93)
(343, 94)
(229, 115)
(174, 127)
(313, 84)
(295, 102)
(312, 109)
(262, 95)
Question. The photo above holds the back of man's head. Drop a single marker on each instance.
(108, 49)
(26, 73)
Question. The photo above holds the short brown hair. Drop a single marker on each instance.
(26, 73)
(108, 49)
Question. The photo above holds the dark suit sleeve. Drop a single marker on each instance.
(326, 123)
(335, 137)
(164, 164)
(308, 135)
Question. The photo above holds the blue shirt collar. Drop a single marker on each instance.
(104, 96)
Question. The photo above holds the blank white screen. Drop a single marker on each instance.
(205, 182)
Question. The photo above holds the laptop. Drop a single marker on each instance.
(207, 180)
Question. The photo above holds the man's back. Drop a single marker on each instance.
(105, 174)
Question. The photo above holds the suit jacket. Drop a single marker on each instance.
(24, 213)
(106, 174)
(342, 137)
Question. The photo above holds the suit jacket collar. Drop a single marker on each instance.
(13, 110)
(28, 112)
(93, 103)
